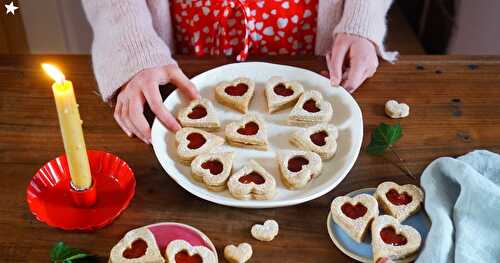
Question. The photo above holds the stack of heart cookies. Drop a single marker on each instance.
(390, 238)
(197, 147)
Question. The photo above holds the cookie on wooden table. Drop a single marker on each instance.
(200, 114)
(297, 168)
(236, 94)
(252, 182)
(192, 142)
(238, 254)
(213, 169)
(248, 132)
(310, 109)
(282, 94)
(320, 138)
(137, 246)
(400, 201)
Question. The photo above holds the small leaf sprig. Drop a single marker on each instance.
(62, 253)
(383, 139)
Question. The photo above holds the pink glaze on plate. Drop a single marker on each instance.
(166, 232)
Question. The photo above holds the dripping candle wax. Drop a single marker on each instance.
(71, 129)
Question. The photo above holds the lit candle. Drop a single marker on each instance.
(71, 129)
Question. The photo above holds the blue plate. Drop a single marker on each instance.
(363, 251)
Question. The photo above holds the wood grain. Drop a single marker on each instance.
(453, 111)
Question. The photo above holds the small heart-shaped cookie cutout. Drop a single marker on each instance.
(239, 90)
(354, 211)
(398, 199)
(295, 163)
(389, 236)
(266, 231)
(214, 166)
(196, 140)
(310, 106)
(282, 90)
(184, 257)
(238, 254)
(396, 110)
(253, 177)
(197, 112)
(319, 137)
(250, 128)
(136, 250)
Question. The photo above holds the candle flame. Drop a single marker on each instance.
(53, 72)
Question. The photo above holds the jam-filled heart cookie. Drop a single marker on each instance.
(199, 113)
(310, 109)
(213, 169)
(400, 201)
(252, 181)
(354, 214)
(393, 240)
(320, 138)
(282, 94)
(266, 231)
(137, 246)
(238, 254)
(192, 142)
(179, 251)
(248, 132)
(236, 94)
(297, 168)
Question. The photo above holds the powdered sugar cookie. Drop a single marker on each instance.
(213, 169)
(192, 142)
(252, 181)
(297, 168)
(320, 138)
(248, 132)
(200, 114)
(137, 246)
(181, 251)
(238, 254)
(266, 231)
(282, 94)
(236, 94)
(310, 109)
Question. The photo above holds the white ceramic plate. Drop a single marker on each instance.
(346, 116)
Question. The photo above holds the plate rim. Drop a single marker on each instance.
(267, 203)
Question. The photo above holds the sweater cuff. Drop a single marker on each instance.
(367, 18)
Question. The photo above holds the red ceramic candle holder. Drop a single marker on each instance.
(55, 202)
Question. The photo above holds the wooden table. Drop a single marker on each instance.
(455, 108)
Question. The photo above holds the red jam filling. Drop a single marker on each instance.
(214, 166)
(252, 177)
(250, 128)
(310, 106)
(398, 199)
(197, 112)
(354, 211)
(318, 138)
(389, 236)
(184, 257)
(295, 164)
(282, 90)
(137, 249)
(196, 140)
(237, 90)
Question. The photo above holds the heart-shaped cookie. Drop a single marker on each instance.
(252, 181)
(297, 168)
(213, 169)
(179, 251)
(392, 239)
(238, 254)
(199, 113)
(400, 201)
(236, 94)
(354, 214)
(396, 110)
(310, 109)
(137, 246)
(320, 138)
(248, 132)
(282, 94)
(266, 231)
(192, 142)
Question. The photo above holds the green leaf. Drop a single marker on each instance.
(61, 253)
(383, 137)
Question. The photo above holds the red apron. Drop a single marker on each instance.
(240, 27)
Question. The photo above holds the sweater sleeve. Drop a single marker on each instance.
(367, 18)
(125, 42)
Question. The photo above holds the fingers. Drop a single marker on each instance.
(182, 82)
(153, 97)
(336, 60)
(137, 119)
(118, 119)
(124, 113)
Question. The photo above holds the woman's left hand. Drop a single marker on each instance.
(352, 60)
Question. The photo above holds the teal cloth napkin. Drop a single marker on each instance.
(463, 202)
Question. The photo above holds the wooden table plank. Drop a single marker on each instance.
(452, 112)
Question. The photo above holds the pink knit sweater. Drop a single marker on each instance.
(132, 35)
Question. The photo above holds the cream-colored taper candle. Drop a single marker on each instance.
(71, 129)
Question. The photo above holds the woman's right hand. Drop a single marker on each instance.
(144, 87)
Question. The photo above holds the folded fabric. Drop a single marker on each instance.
(463, 202)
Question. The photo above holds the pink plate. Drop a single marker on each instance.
(166, 232)
(49, 196)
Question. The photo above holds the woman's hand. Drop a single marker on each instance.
(144, 87)
(352, 60)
